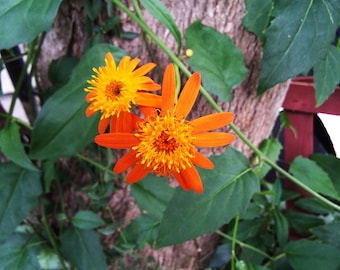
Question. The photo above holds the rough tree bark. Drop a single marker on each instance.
(255, 116)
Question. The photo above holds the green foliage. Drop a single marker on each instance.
(295, 43)
(327, 75)
(306, 254)
(60, 200)
(257, 17)
(22, 22)
(59, 133)
(161, 13)
(217, 59)
(19, 252)
(87, 220)
(228, 190)
(313, 176)
(83, 249)
(19, 193)
(11, 146)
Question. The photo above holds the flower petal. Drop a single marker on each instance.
(181, 181)
(116, 140)
(125, 162)
(110, 61)
(188, 96)
(213, 139)
(144, 69)
(211, 121)
(148, 111)
(168, 89)
(147, 99)
(202, 161)
(126, 122)
(89, 111)
(192, 179)
(103, 123)
(137, 173)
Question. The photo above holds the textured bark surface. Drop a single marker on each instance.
(255, 116)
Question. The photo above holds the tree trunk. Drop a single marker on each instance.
(255, 116)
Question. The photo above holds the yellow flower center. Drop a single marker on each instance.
(113, 90)
(166, 144)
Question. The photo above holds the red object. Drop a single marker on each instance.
(299, 105)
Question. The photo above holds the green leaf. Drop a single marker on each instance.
(82, 248)
(327, 75)
(61, 128)
(19, 191)
(331, 165)
(92, 8)
(297, 38)
(141, 231)
(11, 146)
(306, 254)
(24, 20)
(281, 225)
(152, 195)
(314, 205)
(310, 174)
(257, 16)
(270, 148)
(162, 14)
(301, 222)
(19, 252)
(85, 219)
(216, 58)
(329, 233)
(228, 190)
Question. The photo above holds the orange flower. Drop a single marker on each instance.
(165, 142)
(113, 90)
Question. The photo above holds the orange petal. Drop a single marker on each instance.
(103, 123)
(116, 140)
(144, 69)
(132, 65)
(89, 112)
(147, 111)
(168, 89)
(151, 86)
(137, 173)
(181, 181)
(188, 96)
(211, 121)
(126, 122)
(124, 62)
(202, 161)
(148, 99)
(191, 177)
(125, 162)
(89, 96)
(110, 61)
(213, 139)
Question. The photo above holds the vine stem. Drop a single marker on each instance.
(212, 102)
(245, 245)
(50, 237)
(20, 81)
(233, 242)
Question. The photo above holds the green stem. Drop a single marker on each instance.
(18, 120)
(212, 102)
(49, 234)
(244, 245)
(20, 81)
(233, 242)
(98, 165)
